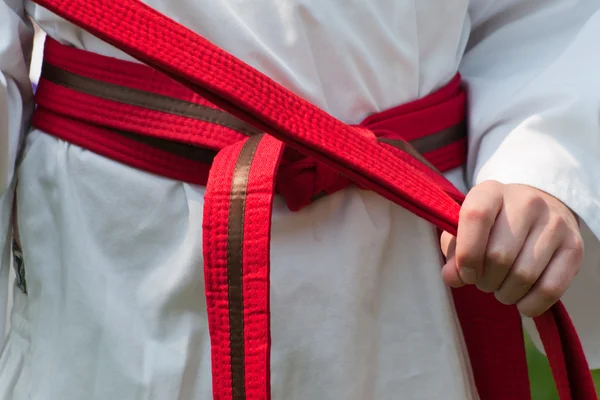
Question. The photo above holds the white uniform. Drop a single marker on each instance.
(113, 256)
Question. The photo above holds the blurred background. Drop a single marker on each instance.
(542, 385)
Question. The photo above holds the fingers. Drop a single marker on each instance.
(549, 259)
(553, 283)
(533, 259)
(477, 216)
(516, 241)
(506, 241)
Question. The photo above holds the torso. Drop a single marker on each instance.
(113, 255)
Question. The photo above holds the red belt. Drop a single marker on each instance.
(241, 183)
(125, 111)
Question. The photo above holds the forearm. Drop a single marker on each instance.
(535, 100)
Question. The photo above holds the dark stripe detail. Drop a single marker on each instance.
(440, 139)
(148, 100)
(201, 154)
(235, 247)
(407, 148)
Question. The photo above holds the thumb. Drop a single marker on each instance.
(447, 244)
(450, 274)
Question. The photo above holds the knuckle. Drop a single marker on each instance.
(550, 293)
(576, 245)
(525, 277)
(466, 259)
(574, 252)
(476, 213)
(500, 257)
(556, 225)
(574, 263)
(532, 201)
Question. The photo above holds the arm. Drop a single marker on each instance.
(531, 71)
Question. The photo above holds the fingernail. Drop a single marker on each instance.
(468, 275)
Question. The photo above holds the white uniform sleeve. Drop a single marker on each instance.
(532, 69)
(16, 37)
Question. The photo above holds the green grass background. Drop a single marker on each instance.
(542, 385)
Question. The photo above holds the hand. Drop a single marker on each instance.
(516, 241)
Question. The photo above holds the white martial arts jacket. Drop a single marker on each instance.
(115, 306)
